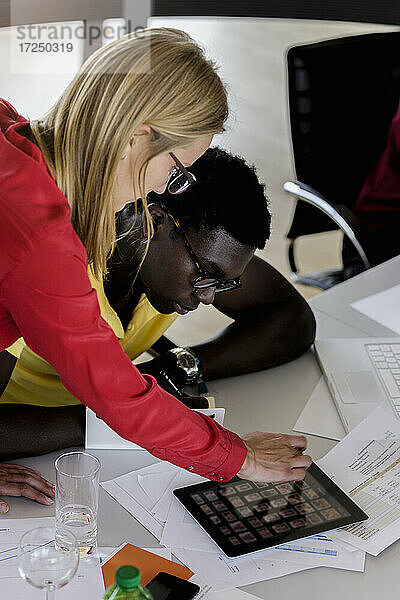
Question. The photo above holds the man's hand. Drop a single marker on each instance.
(274, 457)
(16, 480)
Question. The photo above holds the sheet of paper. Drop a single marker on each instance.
(139, 499)
(383, 307)
(207, 593)
(147, 493)
(13, 587)
(181, 529)
(222, 573)
(152, 485)
(161, 508)
(319, 550)
(366, 465)
(100, 436)
(106, 553)
(140, 513)
(319, 416)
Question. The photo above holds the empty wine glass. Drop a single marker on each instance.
(48, 560)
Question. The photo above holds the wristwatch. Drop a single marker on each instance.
(187, 361)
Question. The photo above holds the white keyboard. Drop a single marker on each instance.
(386, 360)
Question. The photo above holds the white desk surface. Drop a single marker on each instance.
(335, 303)
(276, 398)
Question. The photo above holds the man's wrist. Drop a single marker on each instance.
(187, 363)
(179, 366)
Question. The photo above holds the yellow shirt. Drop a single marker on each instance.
(35, 382)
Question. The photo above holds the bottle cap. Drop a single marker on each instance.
(127, 577)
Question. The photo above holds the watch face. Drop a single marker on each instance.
(186, 361)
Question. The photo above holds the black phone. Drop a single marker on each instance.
(168, 587)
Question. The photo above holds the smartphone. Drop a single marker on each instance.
(168, 587)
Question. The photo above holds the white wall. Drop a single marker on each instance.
(33, 81)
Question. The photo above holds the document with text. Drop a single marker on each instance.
(366, 465)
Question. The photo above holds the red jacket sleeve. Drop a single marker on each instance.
(51, 300)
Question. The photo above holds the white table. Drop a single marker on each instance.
(333, 310)
(270, 400)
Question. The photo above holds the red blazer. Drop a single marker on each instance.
(46, 297)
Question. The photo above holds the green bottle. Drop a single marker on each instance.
(127, 586)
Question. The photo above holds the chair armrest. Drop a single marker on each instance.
(306, 193)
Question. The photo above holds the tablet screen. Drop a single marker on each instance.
(243, 516)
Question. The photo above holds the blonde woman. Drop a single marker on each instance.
(137, 113)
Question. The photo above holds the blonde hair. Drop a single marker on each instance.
(159, 77)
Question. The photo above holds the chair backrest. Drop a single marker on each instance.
(343, 94)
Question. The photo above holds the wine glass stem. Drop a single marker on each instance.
(50, 594)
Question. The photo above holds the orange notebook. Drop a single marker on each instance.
(149, 565)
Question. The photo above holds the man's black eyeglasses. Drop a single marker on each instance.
(180, 178)
(205, 280)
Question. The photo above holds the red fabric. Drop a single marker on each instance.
(8, 115)
(381, 190)
(46, 297)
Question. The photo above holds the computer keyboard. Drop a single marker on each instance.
(386, 361)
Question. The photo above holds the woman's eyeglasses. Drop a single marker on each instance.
(205, 280)
(180, 178)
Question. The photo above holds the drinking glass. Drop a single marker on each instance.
(48, 561)
(77, 497)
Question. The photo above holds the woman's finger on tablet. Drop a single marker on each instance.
(297, 475)
(297, 441)
(302, 461)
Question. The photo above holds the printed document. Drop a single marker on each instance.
(207, 593)
(366, 465)
(223, 573)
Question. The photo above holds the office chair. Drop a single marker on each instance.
(343, 94)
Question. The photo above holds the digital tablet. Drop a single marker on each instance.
(243, 516)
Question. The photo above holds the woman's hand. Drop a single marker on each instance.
(274, 457)
(16, 480)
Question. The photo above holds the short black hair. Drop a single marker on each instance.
(227, 195)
